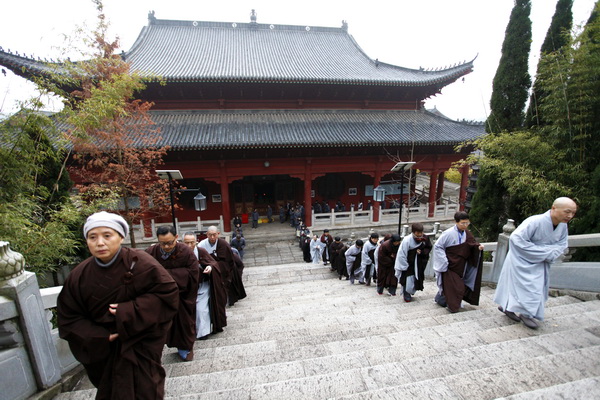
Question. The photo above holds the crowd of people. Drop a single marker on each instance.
(385, 261)
(118, 308)
(457, 262)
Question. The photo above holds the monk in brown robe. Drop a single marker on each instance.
(115, 310)
(210, 304)
(182, 264)
(220, 250)
(386, 260)
(457, 263)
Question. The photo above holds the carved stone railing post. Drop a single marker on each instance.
(502, 249)
(21, 287)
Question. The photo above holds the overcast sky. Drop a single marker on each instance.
(407, 33)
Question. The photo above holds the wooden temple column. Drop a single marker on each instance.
(440, 189)
(225, 208)
(307, 190)
(464, 182)
(432, 192)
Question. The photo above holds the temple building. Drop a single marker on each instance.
(265, 114)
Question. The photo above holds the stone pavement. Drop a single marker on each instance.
(303, 334)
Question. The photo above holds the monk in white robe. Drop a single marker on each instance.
(533, 247)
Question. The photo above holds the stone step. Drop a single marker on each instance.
(587, 388)
(457, 370)
(521, 378)
(488, 330)
(303, 334)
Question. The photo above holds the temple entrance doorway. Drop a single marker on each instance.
(260, 191)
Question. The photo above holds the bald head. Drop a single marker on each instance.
(563, 210)
(213, 234)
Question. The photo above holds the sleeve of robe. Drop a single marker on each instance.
(440, 260)
(140, 314)
(530, 253)
(401, 263)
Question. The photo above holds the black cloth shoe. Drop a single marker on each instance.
(440, 299)
(510, 314)
(529, 322)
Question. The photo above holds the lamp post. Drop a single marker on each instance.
(170, 174)
(401, 167)
(199, 199)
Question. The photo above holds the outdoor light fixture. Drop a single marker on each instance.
(170, 174)
(401, 167)
(378, 194)
(200, 202)
(267, 164)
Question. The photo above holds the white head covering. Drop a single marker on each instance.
(105, 219)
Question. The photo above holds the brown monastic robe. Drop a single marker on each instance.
(386, 259)
(218, 295)
(147, 297)
(462, 258)
(182, 264)
(232, 278)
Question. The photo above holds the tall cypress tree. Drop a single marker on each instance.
(510, 90)
(556, 38)
(512, 81)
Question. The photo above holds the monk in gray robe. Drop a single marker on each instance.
(533, 247)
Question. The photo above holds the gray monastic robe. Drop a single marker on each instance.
(523, 283)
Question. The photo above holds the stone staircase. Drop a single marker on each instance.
(303, 334)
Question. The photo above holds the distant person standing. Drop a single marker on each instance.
(412, 258)
(534, 246)
(255, 218)
(269, 214)
(239, 243)
(457, 264)
(281, 214)
(115, 310)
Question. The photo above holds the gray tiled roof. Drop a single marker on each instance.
(231, 129)
(248, 52)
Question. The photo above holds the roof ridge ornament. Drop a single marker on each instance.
(151, 17)
(253, 17)
(345, 25)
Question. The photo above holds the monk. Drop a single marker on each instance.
(533, 247)
(220, 250)
(115, 310)
(411, 261)
(179, 260)
(457, 264)
(212, 298)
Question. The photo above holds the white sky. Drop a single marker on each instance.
(408, 33)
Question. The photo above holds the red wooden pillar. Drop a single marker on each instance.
(307, 192)
(464, 182)
(440, 189)
(226, 209)
(432, 193)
